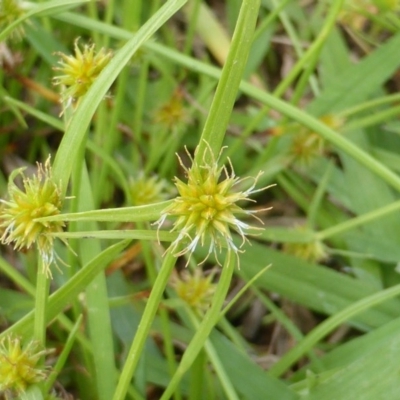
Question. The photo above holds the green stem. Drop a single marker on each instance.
(361, 220)
(140, 101)
(42, 293)
(312, 50)
(271, 18)
(162, 236)
(193, 14)
(206, 326)
(144, 326)
(62, 358)
(225, 95)
(98, 313)
(318, 197)
(226, 383)
(371, 104)
(164, 315)
(373, 119)
(149, 212)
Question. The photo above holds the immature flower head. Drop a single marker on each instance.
(10, 11)
(195, 289)
(308, 145)
(207, 209)
(147, 190)
(80, 71)
(40, 197)
(173, 112)
(313, 251)
(19, 366)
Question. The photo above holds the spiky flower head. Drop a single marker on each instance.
(78, 72)
(147, 190)
(10, 11)
(40, 197)
(313, 250)
(207, 209)
(173, 112)
(195, 289)
(308, 145)
(19, 365)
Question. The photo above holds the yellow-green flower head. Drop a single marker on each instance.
(10, 11)
(313, 251)
(147, 190)
(207, 209)
(173, 113)
(308, 145)
(40, 197)
(78, 72)
(195, 289)
(19, 367)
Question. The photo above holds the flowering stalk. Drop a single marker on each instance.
(207, 324)
(225, 96)
(41, 299)
(143, 329)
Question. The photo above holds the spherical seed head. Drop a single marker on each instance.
(40, 197)
(10, 11)
(207, 209)
(195, 289)
(80, 71)
(19, 366)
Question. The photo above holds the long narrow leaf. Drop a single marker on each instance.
(80, 121)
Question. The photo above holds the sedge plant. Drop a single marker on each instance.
(109, 243)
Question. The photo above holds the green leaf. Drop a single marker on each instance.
(14, 305)
(357, 83)
(254, 383)
(355, 349)
(374, 376)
